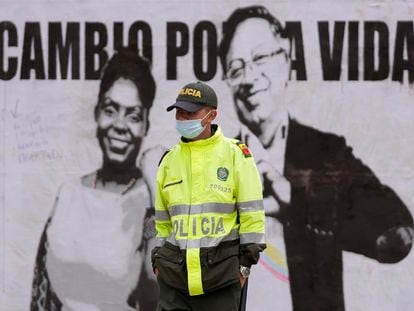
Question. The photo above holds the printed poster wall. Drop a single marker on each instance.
(322, 93)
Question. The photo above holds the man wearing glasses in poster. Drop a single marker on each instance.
(320, 199)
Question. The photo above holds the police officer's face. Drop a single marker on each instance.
(184, 115)
(121, 123)
(257, 70)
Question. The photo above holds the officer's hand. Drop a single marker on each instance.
(242, 280)
(157, 273)
(274, 183)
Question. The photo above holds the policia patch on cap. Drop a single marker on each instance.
(245, 150)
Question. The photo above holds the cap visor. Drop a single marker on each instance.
(187, 106)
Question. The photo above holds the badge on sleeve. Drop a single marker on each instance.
(245, 150)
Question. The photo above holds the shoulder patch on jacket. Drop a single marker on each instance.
(245, 150)
(163, 156)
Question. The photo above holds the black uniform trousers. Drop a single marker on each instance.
(223, 299)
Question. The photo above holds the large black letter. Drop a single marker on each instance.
(294, 31)
(405, 32)
(353, 47)
(118, 35)
(92, 49)
(32, 37)
(173, 49)
(64, 49)
(146, 35)
(7, 74)
(331, 57)
(383, 69)
(211, 50)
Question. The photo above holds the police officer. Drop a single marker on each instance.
(209, 211)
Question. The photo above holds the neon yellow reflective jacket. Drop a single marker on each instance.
(209, 214)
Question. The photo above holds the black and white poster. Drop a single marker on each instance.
(322, 92)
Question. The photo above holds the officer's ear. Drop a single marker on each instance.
(212, 115)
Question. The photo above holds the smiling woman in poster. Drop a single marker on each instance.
(93, 249)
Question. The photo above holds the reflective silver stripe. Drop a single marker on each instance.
(224, 208)
(203, 242)
(257, 238)
(185, 209)
(162, 215)
(174, 242)
(250, 206)
(211, 242)
(159, 242)
(179, 209)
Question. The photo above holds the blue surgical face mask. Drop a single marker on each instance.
(190, 128)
